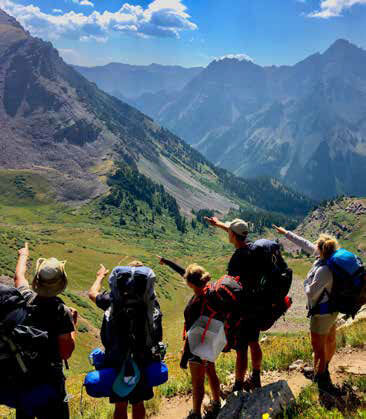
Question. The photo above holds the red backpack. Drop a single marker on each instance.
(222, 301)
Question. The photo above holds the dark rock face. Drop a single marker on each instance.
(272, 399)
(296, 123)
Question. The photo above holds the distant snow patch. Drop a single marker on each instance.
(239, 57)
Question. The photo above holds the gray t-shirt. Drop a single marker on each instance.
(319, 278)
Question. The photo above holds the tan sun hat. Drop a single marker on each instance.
(50, 278)
(238, 226)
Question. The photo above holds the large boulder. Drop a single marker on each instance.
(272, 399)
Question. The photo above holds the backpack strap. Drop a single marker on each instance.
(316, 308)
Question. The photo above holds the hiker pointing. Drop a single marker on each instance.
(42, 336)
(318, 288)
(131, 332)
(244, 265)
(197, 279)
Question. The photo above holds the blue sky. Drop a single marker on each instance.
(190, 32)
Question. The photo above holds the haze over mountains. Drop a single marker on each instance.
(58, 123)
(128, 82)
(304, 124)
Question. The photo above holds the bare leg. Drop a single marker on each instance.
(138, 411)
(331, 344)
(241, 365)
(198, 381)
(319, 347)
(120, 410)
(256, 354)
(213, 380)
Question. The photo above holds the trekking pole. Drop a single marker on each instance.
(66, 364)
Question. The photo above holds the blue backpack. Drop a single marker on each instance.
(349, 282)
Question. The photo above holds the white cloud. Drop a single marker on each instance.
(239, 57)
(57, 11)
(333, 8)
(161, 18)
(83, 3)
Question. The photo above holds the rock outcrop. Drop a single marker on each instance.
(272, 399)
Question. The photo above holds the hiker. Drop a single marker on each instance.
(244, 265)
(49, 314)
(131, 327)
(318, 286)
(197, 278)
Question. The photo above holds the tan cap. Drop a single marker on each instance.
(50, 278)
(238, 226)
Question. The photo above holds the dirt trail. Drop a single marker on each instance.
(346, 361)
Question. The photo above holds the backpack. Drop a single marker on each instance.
(133, 322)
(22, 346)
(348, 293)
(269, 301)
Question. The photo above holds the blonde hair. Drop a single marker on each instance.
(197, 275)
(135, 264)
(327, 245)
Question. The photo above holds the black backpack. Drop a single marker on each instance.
(270, 300)
(23, 348)
(134, 320)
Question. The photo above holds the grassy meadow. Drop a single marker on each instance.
(85, 238)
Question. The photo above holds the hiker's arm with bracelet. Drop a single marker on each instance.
(304, 244)
(177, 268)
(94, 290)
(21, 268)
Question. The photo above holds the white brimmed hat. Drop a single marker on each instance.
(238, 226)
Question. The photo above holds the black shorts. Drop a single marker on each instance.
(248, 332)
(141, 393)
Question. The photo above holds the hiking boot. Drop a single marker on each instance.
(253, 382)
(308, 373)
(212, 410)
(238, 386)
(325, 383)
(193, 415)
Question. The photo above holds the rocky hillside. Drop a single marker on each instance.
(128, 82)
(56, 122)
(345, 218)
(304, 124)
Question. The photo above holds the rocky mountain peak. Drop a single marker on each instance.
(342, 48)
(10, 31)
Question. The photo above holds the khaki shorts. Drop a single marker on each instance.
(322, 323)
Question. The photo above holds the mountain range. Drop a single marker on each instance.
(57, 123)
(128, 82)
(303, 124)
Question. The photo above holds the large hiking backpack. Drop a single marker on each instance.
(22, 347)
(222, 301)
(348, 293)
(270, 300)
(133, 322)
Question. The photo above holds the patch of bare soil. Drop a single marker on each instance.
(347, 361)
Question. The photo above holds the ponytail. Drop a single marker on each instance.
(327, 245)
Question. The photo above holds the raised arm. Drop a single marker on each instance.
(21, 268)
(177, 268)
(303, 243)
(97, 286)
(215, 222)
